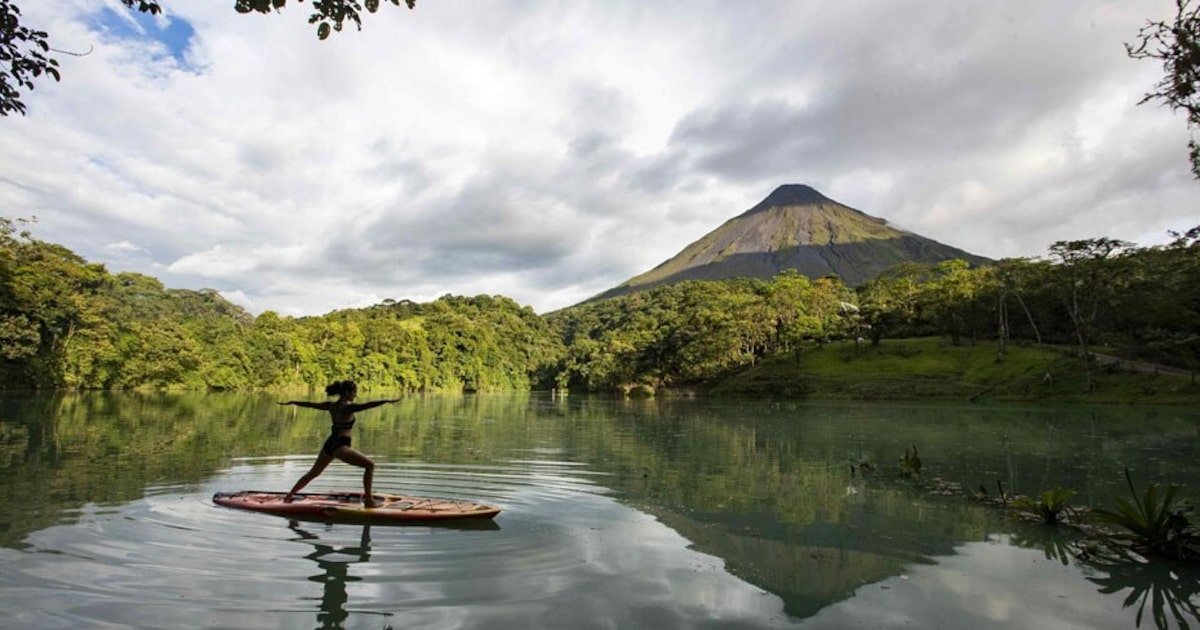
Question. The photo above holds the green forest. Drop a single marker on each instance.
(66, 323)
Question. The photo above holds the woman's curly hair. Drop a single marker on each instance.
(338, 388)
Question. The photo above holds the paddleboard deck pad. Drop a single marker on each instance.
(348, 507)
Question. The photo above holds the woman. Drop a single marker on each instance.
(338, 444)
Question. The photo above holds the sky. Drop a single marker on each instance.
(548, 151)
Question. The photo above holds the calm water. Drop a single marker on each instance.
(617, 514)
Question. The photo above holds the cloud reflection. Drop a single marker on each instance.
(985, 585)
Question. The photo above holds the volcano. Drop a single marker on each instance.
(796, 227)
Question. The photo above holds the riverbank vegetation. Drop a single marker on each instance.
(67, 323)
(1097, 320)
(933, 368)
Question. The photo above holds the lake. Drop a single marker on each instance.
(670, 513)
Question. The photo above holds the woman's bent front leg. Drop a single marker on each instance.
(355, 458)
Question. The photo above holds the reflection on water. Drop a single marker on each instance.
(335, 563)
(668, 513)
(1058, 542)
(334, 573)
(1168, 591)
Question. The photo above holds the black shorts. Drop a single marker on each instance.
(334, 442)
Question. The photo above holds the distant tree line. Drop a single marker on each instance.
(67, 323)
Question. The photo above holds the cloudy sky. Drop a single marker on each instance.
(549, 150)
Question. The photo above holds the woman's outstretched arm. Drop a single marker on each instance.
(371, 405)
(323, 406)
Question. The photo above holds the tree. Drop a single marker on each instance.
(951, 295)
(1160, 311)
(1177, 45)
(1088, 279)
(787, 298)
(25, 50)
(327, 14)
(890, 302)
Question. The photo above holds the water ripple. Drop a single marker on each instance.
(173, 550)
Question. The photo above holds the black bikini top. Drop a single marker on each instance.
(344, 424)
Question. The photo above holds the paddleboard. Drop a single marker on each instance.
(348, 507)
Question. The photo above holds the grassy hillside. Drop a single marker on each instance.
(931, 368)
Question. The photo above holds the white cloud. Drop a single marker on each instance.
(222, 262)
(548, 151)
(125, 247)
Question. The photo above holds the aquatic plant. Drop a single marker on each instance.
(910, 463)
(1049, 507)
(861, 466)
(1156, 523)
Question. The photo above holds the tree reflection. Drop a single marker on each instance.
(1171, 589)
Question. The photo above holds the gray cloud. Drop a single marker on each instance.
(929, 85)
(992, 98)
(549, 151)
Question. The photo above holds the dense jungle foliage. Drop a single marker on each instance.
(1099, 295)
(67, 323)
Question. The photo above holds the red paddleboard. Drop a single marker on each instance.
(348, 507)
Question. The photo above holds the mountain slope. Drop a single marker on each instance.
(796, 227)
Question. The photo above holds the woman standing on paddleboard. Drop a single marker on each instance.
(337, 446)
